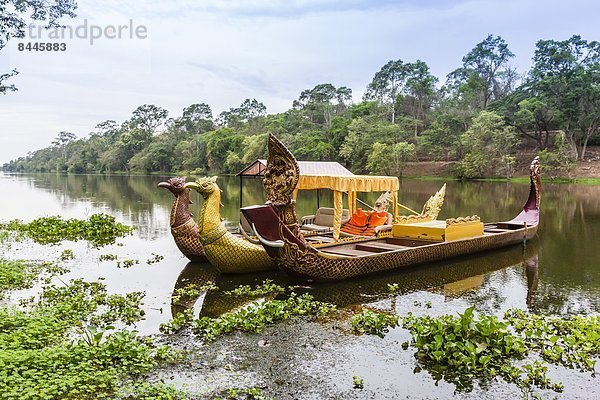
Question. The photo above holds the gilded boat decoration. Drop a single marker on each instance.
(229, 253)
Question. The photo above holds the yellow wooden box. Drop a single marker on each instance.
(438, 231)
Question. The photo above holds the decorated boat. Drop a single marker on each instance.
(183, 227)
(276, 226)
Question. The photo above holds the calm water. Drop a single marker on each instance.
(557, 273)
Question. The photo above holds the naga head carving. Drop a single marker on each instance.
(175, 185)
(281, 175)
(205, 186)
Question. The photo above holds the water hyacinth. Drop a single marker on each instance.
(99, 229)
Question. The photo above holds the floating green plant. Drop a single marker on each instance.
(127, 263)
(107, 257)
(374, 323)
(462, 348)
(255, 317)
(99, 229)
(252, 318)
(358, 382)
(19, 274)
(64, 346)
(191, 291)
(267, 287)
(155, 259)
(66, 255)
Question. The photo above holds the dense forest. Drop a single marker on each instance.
(480, 116)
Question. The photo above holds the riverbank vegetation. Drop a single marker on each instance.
(482, 116)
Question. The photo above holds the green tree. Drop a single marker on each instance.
(420, 92)
(485, 75)
(60, 143)
(147, 118)
(560, 159)
(254, 147)
(158, 156)
(390, 160)
(197, 118)
(248, 111)
(311, 146)
(362, 134)
(566, 74)
(442, 138)
(220, 143)
(381, 159)
(323, 102)
(489, 143)
(403, 152)
(387, 85)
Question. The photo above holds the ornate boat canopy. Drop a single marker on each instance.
(284, 177)
(354, 183)
(329, 175)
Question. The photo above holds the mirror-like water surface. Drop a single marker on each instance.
(557, 273)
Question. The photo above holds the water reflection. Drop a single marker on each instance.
(531, 271)
(452, 278)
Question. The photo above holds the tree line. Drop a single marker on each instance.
(480, 117)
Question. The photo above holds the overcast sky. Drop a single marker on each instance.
(222, 52)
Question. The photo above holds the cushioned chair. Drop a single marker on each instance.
(322, 221)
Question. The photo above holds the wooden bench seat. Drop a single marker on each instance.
(378, 247)
(346, 252)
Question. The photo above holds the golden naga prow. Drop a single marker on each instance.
(227, 252)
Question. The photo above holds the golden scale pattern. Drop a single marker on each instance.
(187, 240)
(225, 251)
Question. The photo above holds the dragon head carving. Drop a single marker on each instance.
(205, 186)
(175, 185)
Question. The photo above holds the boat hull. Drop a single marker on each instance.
(320, 266)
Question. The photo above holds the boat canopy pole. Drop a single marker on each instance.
(338, 204)
(407, 209)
